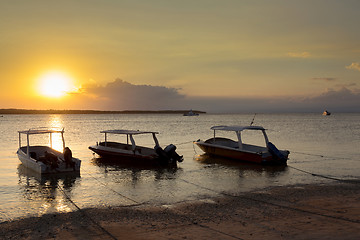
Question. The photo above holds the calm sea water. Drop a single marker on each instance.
(324, 145)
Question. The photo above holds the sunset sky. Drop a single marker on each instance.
(216, 56)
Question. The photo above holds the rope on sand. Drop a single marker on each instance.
(84, 213)
(274, 204)
(120, 194)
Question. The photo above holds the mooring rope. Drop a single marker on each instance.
(327, 177)
(138, 203)
(84, 213)
(226, 194)
(120, 194)
(271, 203)
(182, 143)
(195, 149)
(320, 155)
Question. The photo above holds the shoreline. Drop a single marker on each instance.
(12, 111)
(316, 211)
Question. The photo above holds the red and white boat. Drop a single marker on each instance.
(236, 149)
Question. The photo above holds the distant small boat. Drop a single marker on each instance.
(225, 147)
(326, 113)
(133, 154)
(191, 113)
(45, 159)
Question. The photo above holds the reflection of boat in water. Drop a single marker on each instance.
(211, 160)
(110, 165)
(45, 159)
(47, 191)
(23, 171)
(225, 147)
(326, 113)
(191, 113)
(130, 153)
(126, 163)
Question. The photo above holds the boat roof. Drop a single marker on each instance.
(124, 131)
(42, 130)
(237, 128)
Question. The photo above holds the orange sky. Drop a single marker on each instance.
(205, 54)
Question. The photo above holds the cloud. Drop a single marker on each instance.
(122, 95)
(324, 78)
(335, 100)
(349, 85)
(354, 66)
(343, 99)
(298, 54)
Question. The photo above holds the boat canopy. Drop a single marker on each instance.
(237, 128)
(42, 131)
(128, 132)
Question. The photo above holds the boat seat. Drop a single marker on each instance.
(33, 155)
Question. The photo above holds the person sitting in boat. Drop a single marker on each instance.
(51, 159)
(68, 158)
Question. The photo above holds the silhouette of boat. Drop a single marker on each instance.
(45, 159)
(130, 152)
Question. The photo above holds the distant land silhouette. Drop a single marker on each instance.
(52, 111)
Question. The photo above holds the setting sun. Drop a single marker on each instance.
(55, 84)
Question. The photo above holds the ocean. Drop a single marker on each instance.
(322, 149)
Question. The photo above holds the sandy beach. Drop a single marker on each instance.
(330, 211)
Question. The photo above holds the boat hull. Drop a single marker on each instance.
(140, 157)
(116, 153)
(236, 154)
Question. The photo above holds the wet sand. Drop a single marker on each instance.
(330, 211)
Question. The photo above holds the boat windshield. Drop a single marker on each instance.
(244, 134)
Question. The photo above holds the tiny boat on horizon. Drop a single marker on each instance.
(45, 159)
(191, 113)
(326, 113)
(131, 153)
(225, 147)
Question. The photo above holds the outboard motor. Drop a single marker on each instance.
(168, 156)
(276, 153)
(170, 151)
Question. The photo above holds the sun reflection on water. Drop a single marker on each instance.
(56, 122)
(46, 194)
(63, 206)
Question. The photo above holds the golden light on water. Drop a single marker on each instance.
(55, 121)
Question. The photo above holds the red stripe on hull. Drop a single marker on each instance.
(238, 155)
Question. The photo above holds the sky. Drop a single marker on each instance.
(228, 56)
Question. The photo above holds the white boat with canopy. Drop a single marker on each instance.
(44, 158)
